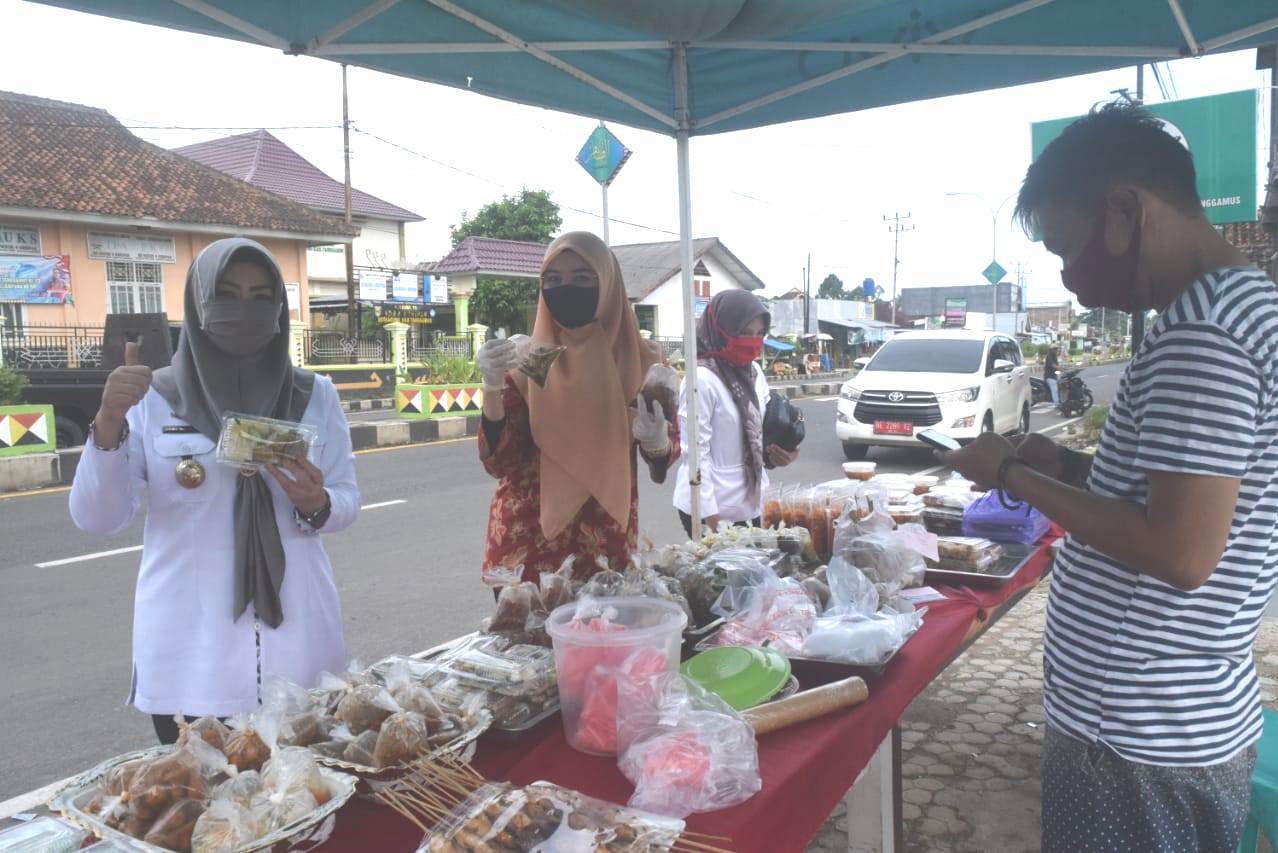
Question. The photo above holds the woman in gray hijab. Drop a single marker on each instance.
(234, 582)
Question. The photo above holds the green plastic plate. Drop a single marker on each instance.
(742, 676)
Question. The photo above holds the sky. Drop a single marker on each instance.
(774, 195)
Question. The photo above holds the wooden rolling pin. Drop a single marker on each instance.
(807, 705)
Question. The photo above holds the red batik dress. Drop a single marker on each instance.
(514, 519)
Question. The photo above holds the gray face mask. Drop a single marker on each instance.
(239, 326)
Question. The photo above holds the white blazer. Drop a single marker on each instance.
(723, 485)
(189, 653)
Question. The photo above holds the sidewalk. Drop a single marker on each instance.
(972, 743)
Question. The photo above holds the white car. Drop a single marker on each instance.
(960, 383)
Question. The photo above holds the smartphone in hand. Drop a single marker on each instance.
(937, 440)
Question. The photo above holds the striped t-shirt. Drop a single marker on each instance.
(1159, 675)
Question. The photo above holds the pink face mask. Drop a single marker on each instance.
(1102, 280)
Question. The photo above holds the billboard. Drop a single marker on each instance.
(35, 280)
(955, 313)
(1220, 133)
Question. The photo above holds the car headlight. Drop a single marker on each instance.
(964, 423)
(963, 395)
(849, 393)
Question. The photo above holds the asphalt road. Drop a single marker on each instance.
(407, 571)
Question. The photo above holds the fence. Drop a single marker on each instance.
(45, 347)
(672, 348)
(329, 347)
(424, 344)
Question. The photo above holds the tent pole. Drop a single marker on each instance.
(691, 403)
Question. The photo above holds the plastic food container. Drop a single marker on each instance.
(943, 522)
(966, 548)
(250, 442)
(42, 835)
(924, 483)
(859, 470)
(644, 633)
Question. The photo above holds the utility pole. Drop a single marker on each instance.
(1138, 316)
(896, 228)
(352, 329)
(807, 294)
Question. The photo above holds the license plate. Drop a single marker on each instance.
(893, 428)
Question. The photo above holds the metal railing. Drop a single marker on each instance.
(330, 347)
(424, 344)
(46, 347)
(671, 347)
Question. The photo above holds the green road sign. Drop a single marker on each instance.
(994, 272)
(603, 155)
(1220, 133)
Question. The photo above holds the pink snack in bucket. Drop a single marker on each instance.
(598, 721)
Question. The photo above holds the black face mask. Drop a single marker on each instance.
(572, 307)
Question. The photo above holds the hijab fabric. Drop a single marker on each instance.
(581, 419)
(203, 383)
(728, 314)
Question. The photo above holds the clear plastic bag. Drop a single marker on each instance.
(778, 613)
(537, 360)
(603, 584)
(173, 829)
(273, 810)
(292, 768)
(557, 588)
(967, 548)
(42, 835)
(403, 738)
(851, 592)
(886, 558)
(225, 827)
(520, 615)
(861, 640)
(164, 781)
(743, 571)
(365, 707)
(240, 788)
(661, 385)
(212, 730)
(252, 442)
(685, 749)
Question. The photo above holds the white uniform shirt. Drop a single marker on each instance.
(723, 484)
(189, 654)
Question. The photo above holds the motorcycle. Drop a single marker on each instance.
(1039, 392)
(1076, 397)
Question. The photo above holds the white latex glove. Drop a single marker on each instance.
(495, 359)
(649, 429)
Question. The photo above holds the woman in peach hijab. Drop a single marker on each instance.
(564, 454)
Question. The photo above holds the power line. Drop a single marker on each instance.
(104, 125)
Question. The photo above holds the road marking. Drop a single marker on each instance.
(1059, 425)
(382, 504)
(52, 490)
(69, 560)
(411, 446)
(823, 399)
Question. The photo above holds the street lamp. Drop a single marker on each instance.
(995, 212)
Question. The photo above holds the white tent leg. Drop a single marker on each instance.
(689, 330)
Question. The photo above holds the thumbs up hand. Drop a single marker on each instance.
(125, 388)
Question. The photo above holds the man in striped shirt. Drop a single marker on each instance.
(1150, 689)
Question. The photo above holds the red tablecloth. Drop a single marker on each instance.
(806, 769)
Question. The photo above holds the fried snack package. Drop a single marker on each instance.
(557, 587)
(274, 810)
(240, 788)
(411, 695)
(361, 749)
(165, 780)
(537, 363)
(116, 780)
(404, 738)
(294, 768)
(303, 729)
(223, 828)
(365, 707)
(212, 730)
(118, 813)
(174, 828)
(246, 748)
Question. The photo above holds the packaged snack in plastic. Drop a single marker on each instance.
(291, 768)
(778, 613)
(949, 497)
(116, 780)
(41, 835)
(966, 548)
(661, 385)
(886, 558)
(165, 780)
(403, 738)
(213, 731)
(240, 788)
(121, 814)
(943, 522)
(537, 362)
(818, 591)
(851, 592)
(274, 810)
(251, 442)
(173, 829)
(365, 707)
(520, 614)
(772, 513)
(861, 640)
(743, 571)
(518, 670)
(214, 765)
(245, 748)
(923, 483)
(980, 566)
(603, 584)
(361, 749)
(223, 828)
(557, 587)
(685, 749)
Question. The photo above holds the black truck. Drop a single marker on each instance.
(69, 371)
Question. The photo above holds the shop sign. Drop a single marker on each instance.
(132, 247)
(372, 286)
(19, 239)
(404, 288)
(415, 315)
(955, 313)
(438, 289)
(35, 281)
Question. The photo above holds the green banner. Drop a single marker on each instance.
(1220, 133)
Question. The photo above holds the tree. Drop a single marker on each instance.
(1115, 323)
(831, 288)
(531, 216)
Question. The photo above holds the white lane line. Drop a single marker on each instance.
(69, 560)
(98, 555)
(1060, 425)
(823, 399)
(382, 504)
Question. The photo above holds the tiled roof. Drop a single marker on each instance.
(645, 266)
(489, 255)
(65, 157)
(266, 162)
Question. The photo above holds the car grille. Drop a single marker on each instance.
(918, 408)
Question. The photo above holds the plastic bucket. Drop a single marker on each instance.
(589, 652)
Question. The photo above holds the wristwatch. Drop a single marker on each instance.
(319, 518)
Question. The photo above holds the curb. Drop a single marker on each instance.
(41, 470)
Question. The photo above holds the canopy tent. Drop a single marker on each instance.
(688, 67)
(779, 346)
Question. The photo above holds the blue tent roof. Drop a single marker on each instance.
(779, 346)
(747, 63)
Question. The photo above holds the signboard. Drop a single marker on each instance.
(955, 313)
(404, 288)
(1220, 133)
(35, 281)
(398, 312)
(372, 286)
(603, 155)
(699, 307)
(19, 239)
(294, 294)
(132, 247)
(436, 289)
(994, 272)
(856, 337)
